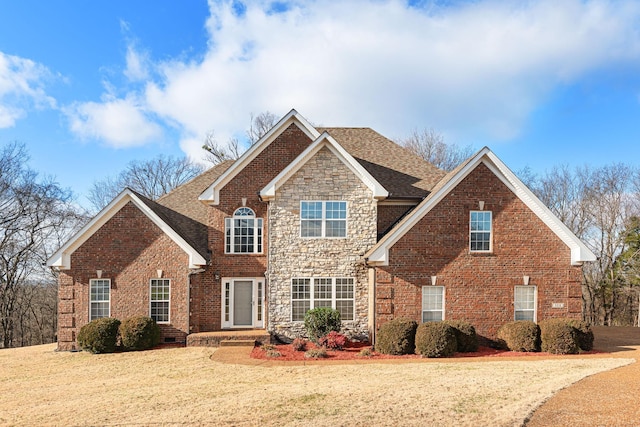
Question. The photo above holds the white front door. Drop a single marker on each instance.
(242, 302)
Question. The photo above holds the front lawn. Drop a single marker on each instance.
(183, 386)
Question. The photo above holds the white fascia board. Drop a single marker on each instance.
(580, 253)
(62, 258)
(325, 140)
(212, 194)
(379, 254)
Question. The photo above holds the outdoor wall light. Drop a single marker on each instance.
(216, 275)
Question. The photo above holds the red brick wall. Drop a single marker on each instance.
(479, 288)
(389, 214)
(129, 249)
(247, 184)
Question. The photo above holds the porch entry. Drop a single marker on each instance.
(242, 302)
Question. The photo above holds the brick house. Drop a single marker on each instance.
(311, 217)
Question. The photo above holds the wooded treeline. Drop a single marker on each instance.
(601, 205)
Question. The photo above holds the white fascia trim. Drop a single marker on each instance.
(212, 194)
(62, 258)
(379, 254)
(325, 140)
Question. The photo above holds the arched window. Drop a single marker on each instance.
(243, 232)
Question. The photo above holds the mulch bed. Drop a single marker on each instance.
(352, 352)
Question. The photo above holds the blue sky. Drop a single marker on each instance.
(90, 86)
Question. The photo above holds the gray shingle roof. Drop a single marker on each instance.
(401, 172)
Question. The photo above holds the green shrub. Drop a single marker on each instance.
(272, 354)
(316, 353)
(139, 333)
(320, 321)
(396, 337)
(558, 337)
(521, 335)
(99, 336)
(584, 334)
(365, 352)
(465, 335)
(436, 339)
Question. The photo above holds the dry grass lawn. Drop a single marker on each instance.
(183, 386)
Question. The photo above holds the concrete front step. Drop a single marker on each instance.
(238, 343)
(229, 338)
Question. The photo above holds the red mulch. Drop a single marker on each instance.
(352, 350)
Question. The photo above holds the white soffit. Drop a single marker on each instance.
(212, 194)
(379, 254)
(62, 258)
(325, 140)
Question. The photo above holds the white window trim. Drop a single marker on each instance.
(167, 301)
(476, 251)
(324, 219)
(229, 223)
(333, 295)
(444, 299)
(535, 301)
(101, 301)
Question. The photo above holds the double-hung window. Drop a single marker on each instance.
(432, 303)
(525, 303)
(323, 219)
(308, 293)
(243, 232)
(99, 299)
(480, 229)
(160, 300)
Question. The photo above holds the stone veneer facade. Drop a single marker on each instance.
(323, 178)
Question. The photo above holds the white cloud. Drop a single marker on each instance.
(120, 123)
(137, 64)
(476, 68)
(21, 88)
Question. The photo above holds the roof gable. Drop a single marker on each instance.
(379, 254)
(324, 140)
(153, 211)
(212, 193)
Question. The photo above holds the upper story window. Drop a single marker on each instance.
(480, 229)
(243, 232)
(323, 219)
(99, 298)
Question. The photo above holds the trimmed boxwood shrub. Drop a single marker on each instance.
(520, 335)
(99, 336)
(558, 337)
(584, 334)
(465, 335)
(397, 337)
(436, 339)
(320, 321)
(139, 333)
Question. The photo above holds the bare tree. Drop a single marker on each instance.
(33, 212)
(151, 178)
(234, 148)
(430, 145)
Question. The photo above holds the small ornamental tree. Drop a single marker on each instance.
(320, 321)
(99, 335)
